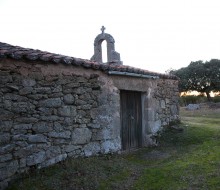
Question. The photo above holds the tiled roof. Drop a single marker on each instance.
(20, 53)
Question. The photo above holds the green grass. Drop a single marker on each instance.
(183, 160)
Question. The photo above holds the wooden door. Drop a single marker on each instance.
(131, 119)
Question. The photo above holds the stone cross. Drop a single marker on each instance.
(103, 29)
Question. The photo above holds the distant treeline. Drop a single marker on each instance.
(192, 99)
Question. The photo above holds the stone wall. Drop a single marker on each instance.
(162, 106)
(49, 112)
(160, 103)
(167, 98)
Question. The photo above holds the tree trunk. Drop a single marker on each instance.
(208, 96)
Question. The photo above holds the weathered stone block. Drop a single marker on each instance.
(51, 118)
(174, 110)
(4, 114)
(102, 135)
(15, 97)
(96, 86)
(5, 157)
(58, 127)
(84, 107)
(68, 99)
(81, 135)
(157, 126)
(23, 126)
(39, 138)
(4, 138)
(92, 148)
(80, 90)
(61, 141)
(25, 90)
(6, 126)
(167, 101)
(151, 115)
(67, 111)
(20, 137)
(164, 123)
(53, 151)
(94, 113)
(51, 103)
(193, 107)
(57, 89)
(162, 104)
(82, 125)
(82, 79)
(72, 85)
(19, 131)
(68, 121)
(45, 111)
(7, 148)
(81, 113)
(21, 107)
(7, 104)
(28, 82)
(20, 144)
(82, 121)
(71, 148)
(80, 102)
(105, 119)
(36, 158)
(67, 90)
(22, 162)
(95, 126)
(85, 97)
(26, 120)
(55, 95)
(42, 127)
(65, 134)
(26, 151)
(37, 96)
(5, 79)
(113, 145)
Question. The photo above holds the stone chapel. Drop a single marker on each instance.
(54, 107)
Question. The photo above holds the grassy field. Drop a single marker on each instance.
(183, 160)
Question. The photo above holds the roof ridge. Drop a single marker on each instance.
(20, 53)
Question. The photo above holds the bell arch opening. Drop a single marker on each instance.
(104, 51)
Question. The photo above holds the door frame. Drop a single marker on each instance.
(139, 135)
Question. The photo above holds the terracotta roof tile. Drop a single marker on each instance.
(32, 56)
(46, 57)
(19, 53)
(67, 60)
(95, 66)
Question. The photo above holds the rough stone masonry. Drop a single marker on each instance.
(54, 107)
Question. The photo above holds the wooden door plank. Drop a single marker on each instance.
(131, 118)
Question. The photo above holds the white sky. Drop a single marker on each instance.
(150, 34)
